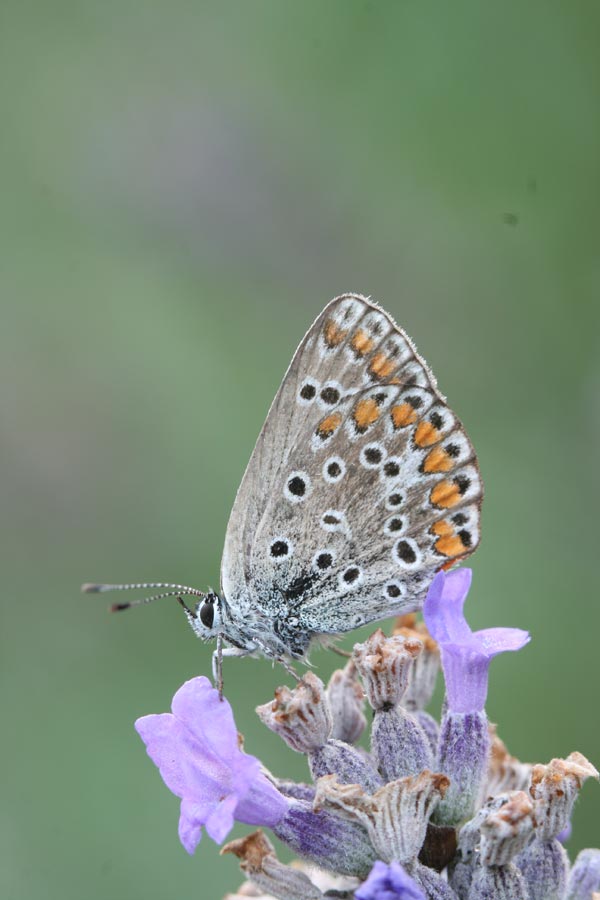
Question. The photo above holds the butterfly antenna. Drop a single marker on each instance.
(177, 590)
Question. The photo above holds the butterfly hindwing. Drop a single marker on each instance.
(362, 483)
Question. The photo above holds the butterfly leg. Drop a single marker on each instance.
(217, 661)
(288, 668)
(331, 646)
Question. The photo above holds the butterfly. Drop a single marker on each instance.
(362, 485)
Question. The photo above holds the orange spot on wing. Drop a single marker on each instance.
(445, 494)
(437, 460)
(426, 434)
(362, 343)
(382, 366)
(328, 425)
(365, 413)
(443, 528)
(403, 415)
(333, 334)
(450, 545)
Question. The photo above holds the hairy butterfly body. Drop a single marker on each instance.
(361, 486)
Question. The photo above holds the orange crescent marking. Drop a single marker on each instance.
(366, 412)
(437, 460)
(333, 334)
(403, 415)
(450, 545)
(381, 366)
(329, 424)
(426, 434)
(361, 342)
(445, 494)
(443, 528)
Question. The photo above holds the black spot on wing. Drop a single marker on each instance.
(299, 586)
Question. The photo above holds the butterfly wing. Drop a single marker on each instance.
(361, 485)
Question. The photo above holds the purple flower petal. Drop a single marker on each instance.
(389, 882)
(220, 821)
(262, 804)
(158, 734)
(565, 835)
(465, 654)
(207, 718)
(443, 610)
(466, 677)
(190, 831)
(196, 750)
(497, 640)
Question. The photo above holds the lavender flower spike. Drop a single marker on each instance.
(464, 741)
(389, 882)
(466, 654)
(197, 752)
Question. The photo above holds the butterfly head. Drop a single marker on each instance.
(206, 620)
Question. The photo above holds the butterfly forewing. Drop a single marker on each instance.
(361, 486)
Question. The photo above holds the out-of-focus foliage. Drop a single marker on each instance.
(182, 188)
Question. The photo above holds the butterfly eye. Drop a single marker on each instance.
(207, 612)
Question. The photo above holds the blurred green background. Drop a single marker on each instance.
(183, 187)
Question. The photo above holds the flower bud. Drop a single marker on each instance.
(258, 861)
(462, 869)
(433, 884)
(346, 702)
(463, 756)
(505, 772)
(398, 743)
(430, 727)
(295, 790)
(423, 675)
(326, 839)
(469, 836)
(505, 832)
(554, 788)
(499, 883)
(302, 717)
(460, 876)
(545, 867)
(584, 878)
(395, 816)
(384, 665)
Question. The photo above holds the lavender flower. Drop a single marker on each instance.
(505, 772)
(464, 739)
(395, 816)
(303, 718)
(260, 864)
(423, 674)
(389, 882)
(197, 752)
(466, 654)
(503, 834)
(584, 878)
(399, 744)
(554, 789)
(380, 825)
(346, 699)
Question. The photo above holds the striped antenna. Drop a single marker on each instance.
(177, 590)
